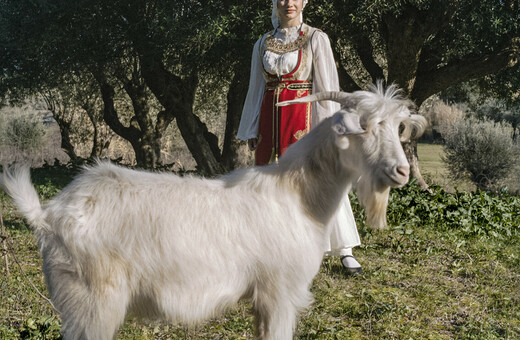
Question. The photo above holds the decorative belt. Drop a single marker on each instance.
(290, 86)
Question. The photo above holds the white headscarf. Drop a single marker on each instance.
(275, 20)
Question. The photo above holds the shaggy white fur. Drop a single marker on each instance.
(118, 241)
(385, 118)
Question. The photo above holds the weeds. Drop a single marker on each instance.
(448, 267)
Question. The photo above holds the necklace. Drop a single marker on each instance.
(280, 48)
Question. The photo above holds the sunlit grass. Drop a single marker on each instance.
(434, 170)
(422, 279)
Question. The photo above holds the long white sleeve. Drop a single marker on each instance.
(344, 234)
(322, 71)
(249, 122)
(324, 76)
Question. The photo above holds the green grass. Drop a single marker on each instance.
(447, 268)
(430, 158)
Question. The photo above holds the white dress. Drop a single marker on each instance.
(318, 66)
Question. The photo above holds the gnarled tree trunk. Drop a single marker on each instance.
(64, 123)
(176, 95)
(235, 101)
(100, 142)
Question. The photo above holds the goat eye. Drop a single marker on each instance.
(401, 128)
(403, 135)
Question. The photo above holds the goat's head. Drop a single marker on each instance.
(369, 130)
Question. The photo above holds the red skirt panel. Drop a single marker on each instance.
(282, 126)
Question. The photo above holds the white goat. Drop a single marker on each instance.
(116, 240)
(382, 127)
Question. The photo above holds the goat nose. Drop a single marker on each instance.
(403, 170)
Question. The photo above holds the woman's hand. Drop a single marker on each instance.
(252, 143)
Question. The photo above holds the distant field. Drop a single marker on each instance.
(431, 163)
(430, 156)
(434, 171)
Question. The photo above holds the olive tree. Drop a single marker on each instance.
(162, 51)
(423, 46)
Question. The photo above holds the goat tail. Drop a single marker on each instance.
(343, 98)
(16, 182)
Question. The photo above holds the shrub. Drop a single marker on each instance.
(440, 115)
(483, 150)
(24, 131)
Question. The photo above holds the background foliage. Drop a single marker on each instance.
(24, 131)
(482, 150)
(139, 66)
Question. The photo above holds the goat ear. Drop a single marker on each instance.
(347, 123)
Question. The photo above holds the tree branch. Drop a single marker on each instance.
(431, 81)
(177, 96)
(405, 36)
(110, 115)
(364, 49)
(346, 82)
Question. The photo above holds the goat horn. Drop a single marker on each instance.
(337, 96)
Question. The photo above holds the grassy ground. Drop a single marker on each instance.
(434, 170)
(441, 271)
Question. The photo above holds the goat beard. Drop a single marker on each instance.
(375, 203)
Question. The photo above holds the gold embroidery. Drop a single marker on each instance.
(300, 86)
(308, 116)
(293, 86)
(301, 93)
(304, 58)
(299, 134)
(279, 48)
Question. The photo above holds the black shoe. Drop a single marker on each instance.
(352, 267)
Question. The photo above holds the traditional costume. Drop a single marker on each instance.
(289, 63)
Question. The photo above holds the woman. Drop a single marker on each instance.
(294, 60)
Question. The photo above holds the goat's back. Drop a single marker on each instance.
(187, 246)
